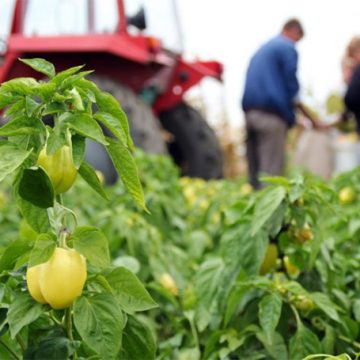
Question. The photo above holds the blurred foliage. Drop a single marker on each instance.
(201, 249)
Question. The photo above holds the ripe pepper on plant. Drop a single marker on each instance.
(59, 167)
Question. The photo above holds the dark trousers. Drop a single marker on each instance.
(265, 145)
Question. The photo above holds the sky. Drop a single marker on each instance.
(230, 31)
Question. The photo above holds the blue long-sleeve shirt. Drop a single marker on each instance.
(352, 96)
(271, 80)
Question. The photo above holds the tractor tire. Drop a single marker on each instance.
(145, 128)
(194, 146)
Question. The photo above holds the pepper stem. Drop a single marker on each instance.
(64, 234)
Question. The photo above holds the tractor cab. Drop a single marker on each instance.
(82, 17)
(147, 14)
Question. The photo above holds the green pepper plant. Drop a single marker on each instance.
(60, 296)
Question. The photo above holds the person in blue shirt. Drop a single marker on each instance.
(269, 102)
(352, 94)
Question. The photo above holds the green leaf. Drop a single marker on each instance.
(356, 309)
(329, 340)
(30, 105)
(209, 285)
(128, 262)
(138, 341)
(87, 94)
(54, 141)
(209, 279)
(74, 79)
(46, 91)
(129, 291)
(54, 108)
(85, 125)
(3, 311)
(349, 327)
(88, 173)
(61, 99)
(277, 348)
(61, 76)
(265, 207)
(276, 180)
(20, 125)
(21, 86)
(342, 298)
(303, 343)
(332, 357)
(295, 288)
(107, 103)
(193, 353)
(269, 314)
(100, 322)
(26, 231)
(6, 99)
(92, 243)
(55, 348)
(44, 247)
(242, 250)
(11, 158)
(126, 168)
(36, 187)
(78, 149)
(17, 108)
(326, 305)
(76, 100)
(211, 343)
(113, 124)
(23, 310)
(13, 251)
(41, 66)
(235, 296)
(275, 223)
(37, 217)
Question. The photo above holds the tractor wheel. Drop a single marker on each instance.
(194, 146)
(145, 128)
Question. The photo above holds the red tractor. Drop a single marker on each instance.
(134, 48)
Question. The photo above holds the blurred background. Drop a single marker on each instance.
(232, 31)
(227, 31)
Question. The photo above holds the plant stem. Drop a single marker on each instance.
(68, 323)
(63, 236)
(9, 350)
(349, 341)
(59, 199)
(21, 342)
(66, 211)
(327, 356)
(297, 317)
(196, 337)
(68, 326)
(55, 320)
